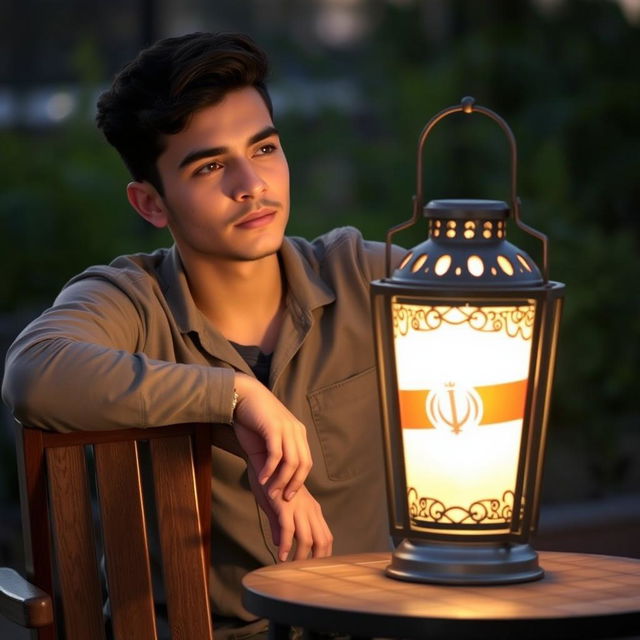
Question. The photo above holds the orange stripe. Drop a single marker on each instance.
(501, 403)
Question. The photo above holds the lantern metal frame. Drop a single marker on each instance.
(479, 556)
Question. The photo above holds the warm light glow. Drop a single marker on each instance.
(442, 265)
(505, 265)
(523, 262)
(469, 229)
(462, 374)
(417, 265)
(475, 266)
(405, 260)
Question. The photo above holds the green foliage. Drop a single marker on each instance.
(567, 84)
(62, 208)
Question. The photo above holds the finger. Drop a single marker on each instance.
(265, 505)
(296, 460)
(276, 530)
(322, 536)
(304, 466)
(285, 471)
(327, 548)
(304, 537)
(274, 458)
(286, 528)
(257, 462)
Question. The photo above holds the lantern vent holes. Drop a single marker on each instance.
(405, 260)
(505, 265)
(467, 245)
(419, 263)
(522, 260)
(468, 229)
(473, 265)
(442, 264)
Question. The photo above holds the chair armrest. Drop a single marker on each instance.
(23, 603)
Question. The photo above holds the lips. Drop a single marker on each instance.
(255, 219)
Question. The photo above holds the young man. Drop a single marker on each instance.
(236, 323)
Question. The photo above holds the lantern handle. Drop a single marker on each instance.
(468, 105)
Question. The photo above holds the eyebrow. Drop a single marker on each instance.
(210, 152)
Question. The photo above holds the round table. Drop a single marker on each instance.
(580, 596)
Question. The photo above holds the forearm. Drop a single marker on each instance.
(83, 365)
(64, 384)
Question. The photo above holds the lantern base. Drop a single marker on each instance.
(464, 562)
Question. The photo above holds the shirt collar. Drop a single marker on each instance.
(178, 295)
(305, 288)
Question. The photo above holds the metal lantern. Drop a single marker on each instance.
(466, 330)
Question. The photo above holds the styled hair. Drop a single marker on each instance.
(156, 94)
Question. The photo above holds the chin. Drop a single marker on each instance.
(262, 249)
(259, 255)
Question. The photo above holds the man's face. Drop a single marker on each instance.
(226, 182)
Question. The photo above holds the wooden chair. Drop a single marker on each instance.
(65, 594)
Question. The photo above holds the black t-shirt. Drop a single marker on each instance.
(259, 362)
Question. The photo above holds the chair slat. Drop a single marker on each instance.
(76, 551)
(36, 531)
(185, 574)
(125, 541)
(202, 466)
(59, 528)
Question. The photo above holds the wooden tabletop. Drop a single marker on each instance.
(581, 596)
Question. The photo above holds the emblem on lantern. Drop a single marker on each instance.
(452, 406)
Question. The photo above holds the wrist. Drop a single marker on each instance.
(234, 404)
(241, 384)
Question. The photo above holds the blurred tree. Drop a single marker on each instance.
(566, 81)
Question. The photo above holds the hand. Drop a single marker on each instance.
(273, 439)
(299, 519)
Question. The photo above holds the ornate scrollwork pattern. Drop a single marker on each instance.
(489, 510)
(514, 321)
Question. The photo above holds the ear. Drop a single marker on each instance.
(149, 204)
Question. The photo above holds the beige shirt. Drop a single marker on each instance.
(125, 346)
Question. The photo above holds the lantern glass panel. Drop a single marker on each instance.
(462, 371)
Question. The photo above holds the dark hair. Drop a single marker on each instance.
(157, 93)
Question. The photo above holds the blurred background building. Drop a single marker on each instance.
(353, 83)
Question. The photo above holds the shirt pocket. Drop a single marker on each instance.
(347, 421)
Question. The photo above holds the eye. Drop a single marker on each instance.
(266, 149)
(209, 167)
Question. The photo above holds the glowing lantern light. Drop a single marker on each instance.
(466, 331)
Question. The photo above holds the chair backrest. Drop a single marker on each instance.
(84, 495)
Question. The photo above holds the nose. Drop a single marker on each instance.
(245, 182)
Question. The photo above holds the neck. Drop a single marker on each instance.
(243, 300)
